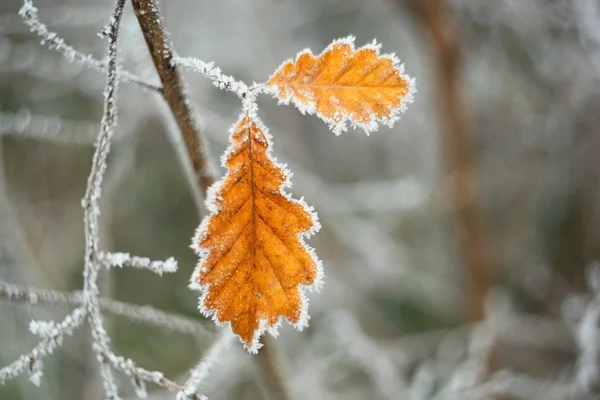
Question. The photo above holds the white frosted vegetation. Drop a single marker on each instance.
(90, 306)
(51, 39)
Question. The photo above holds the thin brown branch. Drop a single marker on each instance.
(150, 20)
(139, 314)
(458, 150)
(174, 91)
(271, 371)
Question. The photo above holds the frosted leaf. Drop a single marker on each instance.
(344, 84)
(283, 264)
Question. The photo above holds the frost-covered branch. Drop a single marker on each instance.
(29, 14)
(175, 91)
(101, 341)
(139, 375)
(66, 16)
(220, 80)
(135, 313)
(121, 260)
(53, 337)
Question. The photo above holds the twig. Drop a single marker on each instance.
(101, 341)
(139, 314)
(29, 13)
(174, 91)
(121, 260)
(138, 375)
(44, 347)
(220, 80)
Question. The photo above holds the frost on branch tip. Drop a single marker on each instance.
(345, 84)
(126, 260)
(254, 263)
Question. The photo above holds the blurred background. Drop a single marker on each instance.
(458, 247)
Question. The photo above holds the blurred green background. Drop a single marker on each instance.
(396, 269)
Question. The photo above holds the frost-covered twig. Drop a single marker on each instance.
(220, 80)
(135, 313)
(200, 371)
(54, 334)
(29, 14)
(65, 16)
(52, 339)
(175, 91)
(92, 211)
(121, 260)
(138, 375)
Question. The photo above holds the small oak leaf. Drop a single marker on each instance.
(344, 83)
(252, 255)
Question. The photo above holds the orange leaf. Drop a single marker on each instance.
(342, 84)
(253, 259)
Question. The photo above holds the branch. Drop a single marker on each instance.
(32, 360)
(220, 80)
(140, 375)
(29, 14)
(174, 91)
(121, 260)
(91, 210)
(139, 314)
